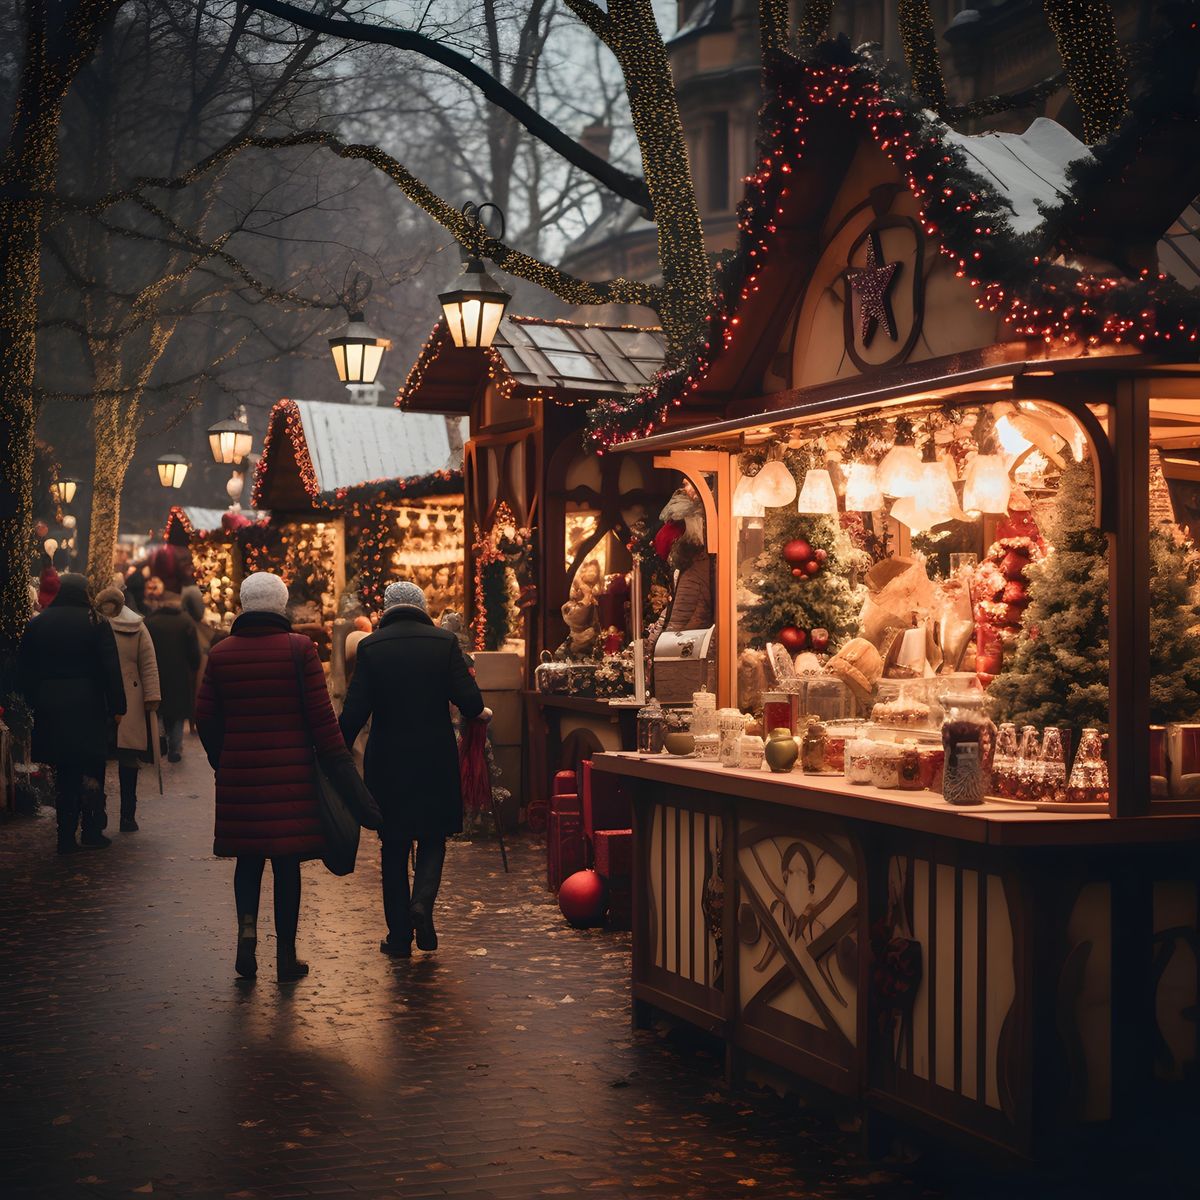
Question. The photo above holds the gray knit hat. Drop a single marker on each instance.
(264, 592)
(403, 594)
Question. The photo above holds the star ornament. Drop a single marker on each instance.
(872, 285)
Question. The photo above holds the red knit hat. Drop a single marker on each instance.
(48, 585)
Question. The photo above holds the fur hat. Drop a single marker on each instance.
(110, 602)
(264, 592)
(403, 594)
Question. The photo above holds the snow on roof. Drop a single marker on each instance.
(603, 359)
(1029, 169)
(204, 520)
(351, 444)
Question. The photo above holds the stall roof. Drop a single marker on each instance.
(314, 448)
(193, 519)
(567, 361)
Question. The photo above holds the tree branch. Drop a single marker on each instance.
(628, 186)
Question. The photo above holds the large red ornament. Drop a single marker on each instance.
(583, 897)
(797, 552)
(792, 638)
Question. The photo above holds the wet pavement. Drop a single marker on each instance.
(132, 1062)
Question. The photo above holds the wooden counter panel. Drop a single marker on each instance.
(993, 823)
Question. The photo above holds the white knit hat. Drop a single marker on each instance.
(264, 592)
(403, 594)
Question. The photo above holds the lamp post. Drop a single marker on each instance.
(62, 490)
(474, 302)
(230, 440)
(357, 351)
(172, 470)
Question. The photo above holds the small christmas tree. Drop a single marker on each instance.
(831, 598)
(1058, 672)
(1174, 647)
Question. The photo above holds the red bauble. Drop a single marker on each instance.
(583, 897)
(797, 552)
(799, 573)
(792, 638)
(812, 566)
(1013, 564)
(820, 554)
(819, 640)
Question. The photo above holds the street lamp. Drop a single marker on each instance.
(475, 302)
(62, 490)
(172, 469)
(230, 440)
(357, 351)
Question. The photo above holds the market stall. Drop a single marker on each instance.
(933, 844)
(214, 541)
(551, 524)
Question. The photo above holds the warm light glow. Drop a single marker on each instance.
(863, 493)
(473, 307)
(172, 470)
(745, 502)
(62, 491)
(50, 545)
(900, 471)
(1013, 442)
(935, 492)
(908, 512)
(229, 440)
(987, 486)
(774, 485)
(357, 352)
(818, 494)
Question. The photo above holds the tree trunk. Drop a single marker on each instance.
(686, 275)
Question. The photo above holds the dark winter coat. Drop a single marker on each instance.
(70, 674)
(177, 649)
(250, 720)
(406, 676)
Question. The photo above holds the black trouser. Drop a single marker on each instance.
(79, 792)
(127, 775)
(285, 874)
(427, 877)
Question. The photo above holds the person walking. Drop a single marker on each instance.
(139, 670)
(69, 672)
(177, 649)
(255, 721)
(406, 676)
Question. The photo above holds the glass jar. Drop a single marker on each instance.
(779, 711)
(858, 761)
(967, 738)
(707, 746)
(1052, 774)
(704, 713)
(885, 765)
(910, 768)
(814, 748)
(1089, 774)
(731, 724)
(1004, 761)
(1028, 775)
(651, 728)
(750, 752)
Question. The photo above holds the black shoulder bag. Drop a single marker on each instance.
(339, 825)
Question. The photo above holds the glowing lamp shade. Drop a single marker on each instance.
(357, 351)
(908, 512)
(473, 306)
(50, 545)
(863, 493)
(229, 440)
(172, 470)
(62, 490)
(900, 471)
(1011, 439)
(818, 494)
(987, 487)
(745, 502)
(774, 485)
(935, 492)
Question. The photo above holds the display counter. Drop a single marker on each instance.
(1017, 977)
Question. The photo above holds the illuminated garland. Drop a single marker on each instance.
(390, 491)
(1087, 44)
(921, 53)
(286, 413)
(1061, 305)
(177, 516)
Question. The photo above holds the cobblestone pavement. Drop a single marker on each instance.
(132, 1062)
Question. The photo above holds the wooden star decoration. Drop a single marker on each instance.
(872, 285)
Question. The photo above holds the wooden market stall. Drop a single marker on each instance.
(945, 430)
(215, 543)
(526, 470)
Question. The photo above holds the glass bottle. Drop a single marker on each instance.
(966, 741)
(1053, 767)
(1004, 761)
(1028, 762)
(1089, 774)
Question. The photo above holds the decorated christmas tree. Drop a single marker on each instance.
(806, 578)
(1057, 674)
(1174, 647)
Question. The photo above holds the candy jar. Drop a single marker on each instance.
(1089, 775)
(1004, 761)
(781, 750)
(750, 752)
(731, 724)
(1029, 765)
(858, 760)
(704, 713)
(967, 737)
(1053, 768)
(651, 728)
(812, 751)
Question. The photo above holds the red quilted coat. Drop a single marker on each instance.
(249, 718)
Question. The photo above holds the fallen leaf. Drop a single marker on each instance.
(65, 1119)
(568, 999)
(480, 953)
(748, 1182)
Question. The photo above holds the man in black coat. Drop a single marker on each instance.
(407, 675)
(70, 674)
(177, 648)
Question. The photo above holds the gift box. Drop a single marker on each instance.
(606, 801)
(613, 850)
(565, 848)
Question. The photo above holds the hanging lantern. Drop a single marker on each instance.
(62, 490)
(357, 351)
(863, 493)
(935, 492)
(818, 494)
(774, 485)
(50, 545)
(987, 486)
(900, 470)
(745, 503)
(908, 512)
(230, 440)
(474, 302)
(172, 469)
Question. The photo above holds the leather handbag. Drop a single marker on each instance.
(339, 825)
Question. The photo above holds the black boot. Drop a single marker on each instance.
(422, 920)
(288, 967)
(128, 777)
(91, 837)
(247, 962)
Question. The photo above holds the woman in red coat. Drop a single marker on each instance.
(251, 722)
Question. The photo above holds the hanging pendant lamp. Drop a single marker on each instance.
(774, 485)
(863, 493)
(818, 496)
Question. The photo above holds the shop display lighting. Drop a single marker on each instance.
(818, 495)
(863, 493)
(745, 501)
(774, 485)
